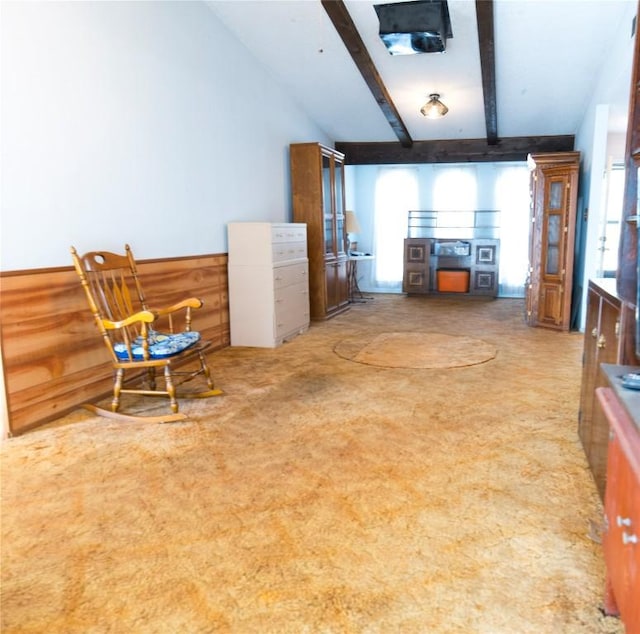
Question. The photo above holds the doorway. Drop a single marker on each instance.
(609, 229)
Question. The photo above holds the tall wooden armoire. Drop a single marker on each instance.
(554, 194)
(317, 183)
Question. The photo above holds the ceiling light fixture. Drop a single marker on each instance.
(434, 108)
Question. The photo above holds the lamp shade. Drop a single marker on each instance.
(352, 224)
(434, 108)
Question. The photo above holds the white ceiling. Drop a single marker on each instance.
(548, 54)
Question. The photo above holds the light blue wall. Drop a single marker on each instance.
(140, 122)
(148, 122)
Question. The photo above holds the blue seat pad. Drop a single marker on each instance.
(161, 345)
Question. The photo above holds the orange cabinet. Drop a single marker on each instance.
(621, 540)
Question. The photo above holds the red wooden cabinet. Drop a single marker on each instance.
(621, 541)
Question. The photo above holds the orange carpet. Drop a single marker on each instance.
(425, 350)
(319, 495)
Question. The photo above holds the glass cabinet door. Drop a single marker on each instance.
(554, 227)
(552, 265)
(339, 201)
(327, 210)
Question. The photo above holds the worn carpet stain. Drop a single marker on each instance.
(320, 495)
(420, 350)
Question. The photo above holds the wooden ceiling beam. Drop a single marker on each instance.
(337, 12)
(486, 43)
(453, 151)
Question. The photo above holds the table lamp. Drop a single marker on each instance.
(352, 227)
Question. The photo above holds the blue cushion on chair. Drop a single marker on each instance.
(160, 345)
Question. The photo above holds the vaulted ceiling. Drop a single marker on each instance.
(517, 74)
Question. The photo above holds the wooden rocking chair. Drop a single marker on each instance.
(127, 326)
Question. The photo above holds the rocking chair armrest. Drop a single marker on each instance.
(191, 302)
(147, 316)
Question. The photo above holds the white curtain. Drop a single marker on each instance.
(512, 198)
(455, 189)
(396, 193)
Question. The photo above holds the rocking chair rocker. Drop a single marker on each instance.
(127, 326)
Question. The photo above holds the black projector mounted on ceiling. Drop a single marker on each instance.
(407, 28)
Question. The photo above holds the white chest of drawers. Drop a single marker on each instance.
(268, 282)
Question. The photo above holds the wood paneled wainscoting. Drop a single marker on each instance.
(53, 357)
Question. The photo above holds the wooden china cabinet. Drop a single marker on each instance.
(554, 194)
(317, 183)
(608, 338)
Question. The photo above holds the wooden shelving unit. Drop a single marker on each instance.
(452, 252)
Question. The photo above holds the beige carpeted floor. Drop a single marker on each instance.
(419, 349)
(322, 494)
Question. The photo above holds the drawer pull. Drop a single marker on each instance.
(623, 521)
(629, 539)
(594, 333)
(602, 341)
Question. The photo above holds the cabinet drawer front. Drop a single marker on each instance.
(291, 308)
(292, 299)
(293, 233)
(284, 276)
(284, 251)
